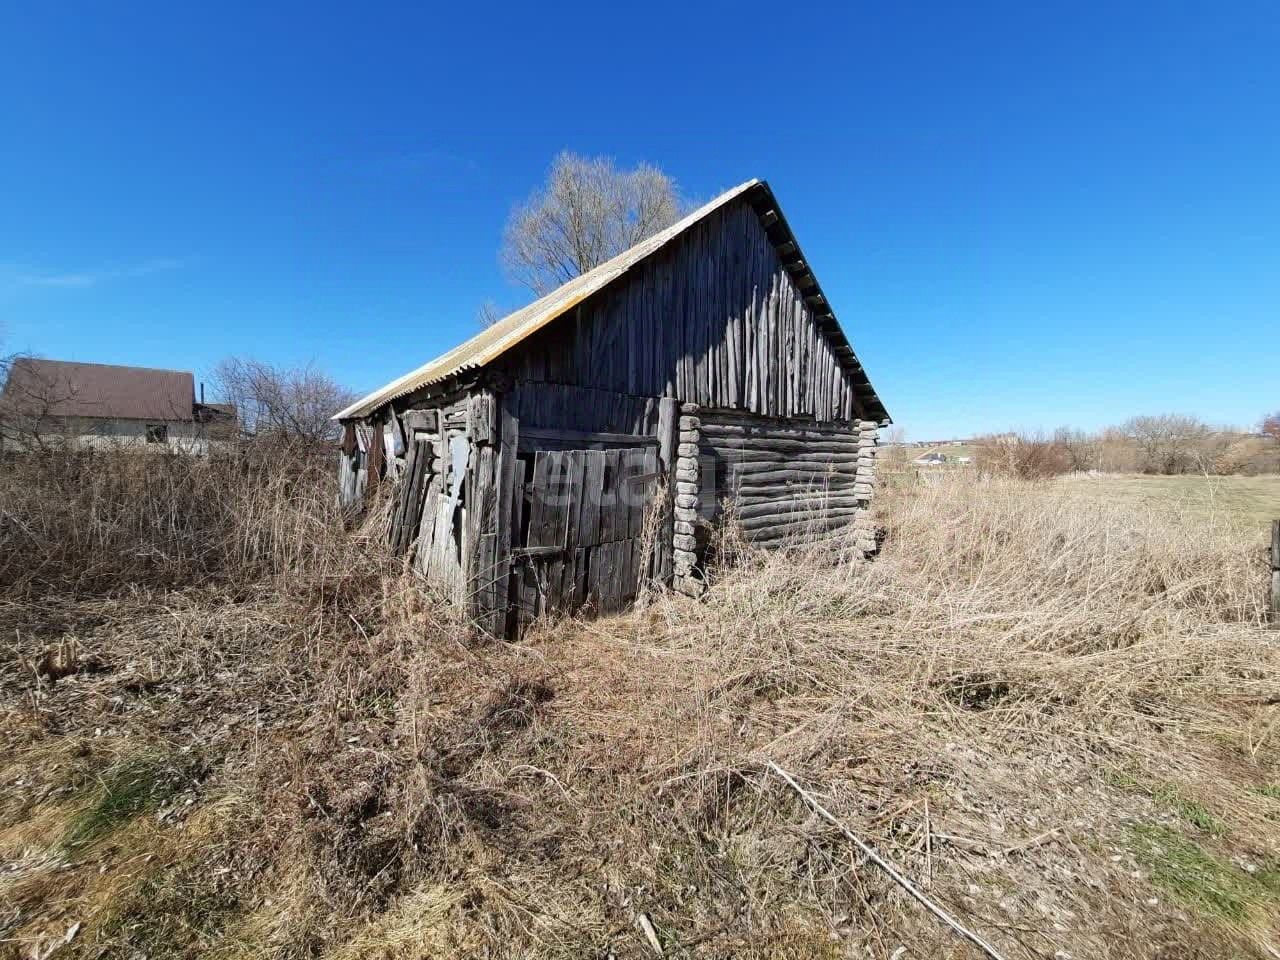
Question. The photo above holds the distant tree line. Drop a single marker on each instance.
(1158, 444)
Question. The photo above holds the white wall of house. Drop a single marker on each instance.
(177, 436)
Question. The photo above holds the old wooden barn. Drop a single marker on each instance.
(590, 440)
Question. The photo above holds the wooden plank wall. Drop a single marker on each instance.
(568, 407)
(714, 320)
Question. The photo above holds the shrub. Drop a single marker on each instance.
(1022, 456)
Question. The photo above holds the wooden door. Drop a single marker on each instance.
(580, 530)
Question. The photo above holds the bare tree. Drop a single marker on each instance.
(1081, 448)
(587, 212)
(293, 403)
(488, 314)
(1169, 443)
(28, 403)
(1271, 425)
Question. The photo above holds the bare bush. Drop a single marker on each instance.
(588, 212)
(288, 403)
(1021, 456)
(1169, 443)
(1081, 448)
(1270, 426)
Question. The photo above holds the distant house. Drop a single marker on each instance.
(930, 460)
(101, 404)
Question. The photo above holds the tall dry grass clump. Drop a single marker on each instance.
(88, 520)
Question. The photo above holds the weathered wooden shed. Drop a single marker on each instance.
(589, 441)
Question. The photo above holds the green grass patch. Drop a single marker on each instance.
(1270, 790)
(1196, 878)
(130, 787)
(1191, 811)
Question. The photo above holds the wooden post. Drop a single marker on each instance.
(1275, 574)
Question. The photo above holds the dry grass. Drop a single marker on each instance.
(1058, 715)
(1254, 501)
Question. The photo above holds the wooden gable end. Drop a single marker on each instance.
(713, 319)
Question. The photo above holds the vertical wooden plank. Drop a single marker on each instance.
(418, 478)
(606, 582)
(554, 509)
(553, 585)
(575, 461)
(592, 489)
(537, 502)
(578, 594)
(504, 481)
(610, 506)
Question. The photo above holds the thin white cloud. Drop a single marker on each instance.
(16, 276)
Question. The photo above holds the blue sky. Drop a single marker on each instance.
(1025, 215)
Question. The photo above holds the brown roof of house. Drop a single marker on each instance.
(62, 388)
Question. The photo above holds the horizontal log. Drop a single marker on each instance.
(690, 423)
(786, 493)
(826, 519)
(747, 478)
(798, 507)
(779, 444)
(766, 429)
(812, 467)
(750, 432)
(817, 458)
(814, 528)
(685, 486)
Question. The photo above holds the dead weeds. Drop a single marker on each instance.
(1059, 721)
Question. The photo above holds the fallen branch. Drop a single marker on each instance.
(886, 866)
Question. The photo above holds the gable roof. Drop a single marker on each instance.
(62, 388)
(493, 341)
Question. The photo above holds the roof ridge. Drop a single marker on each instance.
(111, 366)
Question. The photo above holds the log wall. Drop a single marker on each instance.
(714, 320)
(786, 481)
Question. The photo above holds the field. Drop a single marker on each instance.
(1251, 500)
(230, 728)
